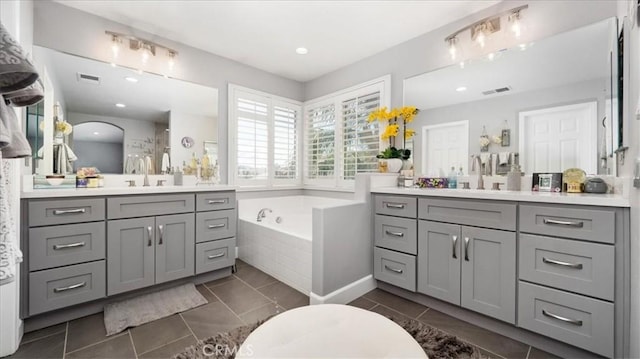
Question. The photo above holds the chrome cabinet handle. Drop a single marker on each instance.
(563, 223)
(393, 269)
(560, 263)
(454, 240)
(466, 249)
(161, 230)
(70, 245)
(216, 255)
(212, 226)
(74, 286)
(216, 201)
(58, 212)
(397, 206)
(149, 235)
(395, 234)
(562, 319)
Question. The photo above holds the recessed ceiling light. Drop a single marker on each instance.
(461, 89)
(96, 133)
(121, 105)
(131, 79)
(302, 51)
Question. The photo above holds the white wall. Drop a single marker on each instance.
(66, 29)
(200, 128)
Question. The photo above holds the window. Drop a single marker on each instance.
(339, 141)
(263, 138)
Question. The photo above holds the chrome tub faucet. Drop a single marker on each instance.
(262, 214)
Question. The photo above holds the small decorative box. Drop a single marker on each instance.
(54, 181)
(433, 182)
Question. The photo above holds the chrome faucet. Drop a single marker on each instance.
(145, 165)
(477, 166)
(261, 214)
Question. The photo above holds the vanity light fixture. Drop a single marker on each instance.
(115, 45)
(148, 49)
(452, 47)
(121, 105)
(302, 51)
(514, 18)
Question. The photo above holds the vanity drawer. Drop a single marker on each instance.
(483, 213)
(62, 287)
(212, 201)
(596, 225)
(396, 206)
(142, 206)
(68, 244)
(581, 321)
(586, 268)
(395, 268)
(215, 255)
(50, 212)
(399, 234)
(215, 225)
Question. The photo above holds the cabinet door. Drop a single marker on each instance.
(130, 254)
(489, 272)
(439, 260)
(175, 247)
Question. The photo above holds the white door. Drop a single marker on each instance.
(445, 145)
(558, 138)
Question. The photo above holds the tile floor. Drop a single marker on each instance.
(243, 298)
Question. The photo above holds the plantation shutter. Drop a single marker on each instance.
(252, 139)
(360, 139)
(320, 142)
(285, 144)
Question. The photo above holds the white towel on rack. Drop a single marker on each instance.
(503, 158)
(484, 157)
(166, 164)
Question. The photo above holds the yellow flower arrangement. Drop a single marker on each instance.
(404, 114)
(64, 127)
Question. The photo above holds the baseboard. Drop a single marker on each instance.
(347, 293)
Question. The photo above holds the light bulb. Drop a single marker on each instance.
(172, 61)
(515, 24)
(452, 48)
(115, 46)
(145, 54)
(480, 39)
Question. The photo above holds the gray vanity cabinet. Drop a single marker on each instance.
(150, 250)
(439, 260)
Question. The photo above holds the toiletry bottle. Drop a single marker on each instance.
(453, 178)
(177, 177)
(460, 173)
(514, 178)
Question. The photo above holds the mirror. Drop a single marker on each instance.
(555, 98)
(120, 115)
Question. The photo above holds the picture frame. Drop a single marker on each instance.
(547, 182)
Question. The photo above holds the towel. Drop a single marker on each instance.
(10, 254)
(63, 156)
(503, 158)
(484, 157)
(16, 72)
(166, 164)
(26, 97)
(128, 165)
(13, 143)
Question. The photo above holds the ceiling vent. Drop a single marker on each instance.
(91, 79)
(497, 90)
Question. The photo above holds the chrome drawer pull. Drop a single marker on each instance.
(58, 212)
(149, 235)
(161, 230)
(454, 242)
(212, 226)
(217, 201)
(466, 249)
(395, 234)
(397, 206)
(70, 245)
(564, 264)
(74, 286)
(562, 319)
(563, 223)
(217, 255)
(393, 269)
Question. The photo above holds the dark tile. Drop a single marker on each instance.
(240, 297)
(117, 347)
(284, 295)
(223, 280)
(240, 263)
(390, 313)
(254, 277)
(154, 334)
(86, 331)
(485, 354)
(261, 313)
(171, 349)
(536, 353)
(211, 319)
(44, 332)
(363, 303)
(404, 306)
(488, 340)
(51, 346)
(206, 293)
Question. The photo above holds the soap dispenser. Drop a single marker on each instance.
(514, 178)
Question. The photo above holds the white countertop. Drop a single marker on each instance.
(587, 199)
(116, 191)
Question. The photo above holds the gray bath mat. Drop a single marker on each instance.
(132, 312)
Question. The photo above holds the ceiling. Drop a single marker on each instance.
(265, 34)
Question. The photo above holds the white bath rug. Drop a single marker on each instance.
(146, 308)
